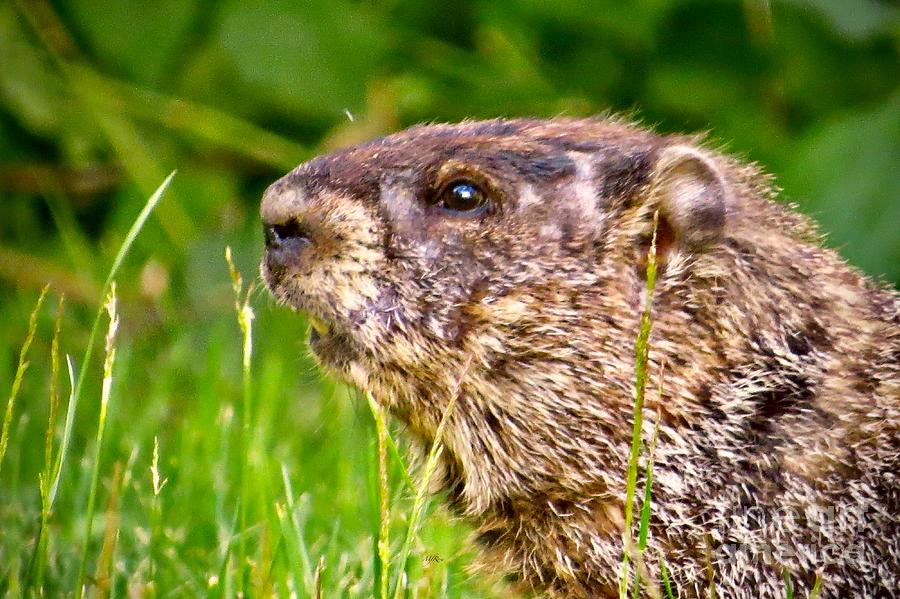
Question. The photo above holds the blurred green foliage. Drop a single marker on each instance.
(100, 99)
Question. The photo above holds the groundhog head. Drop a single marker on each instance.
(447, 238)
(502, 261)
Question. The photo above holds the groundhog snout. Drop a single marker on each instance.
(285, 229)
(286, 242)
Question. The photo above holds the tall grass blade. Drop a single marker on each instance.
(105, 571)
(398, 461)
(72, 404)
(430, 467)
(642, 351)
(644, 530)
(710, 572)
(648, 492)
(39, 557)
(384, 556)
(158, 482)
(105, 393)
(89, 349)
(788, 583)
(132, 234)
(20, 375)
(664, 572)
(817, 587)
(293, 534)
(245, 322)
(318, 578)
(293, 559)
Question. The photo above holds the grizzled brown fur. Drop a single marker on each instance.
(778, 422)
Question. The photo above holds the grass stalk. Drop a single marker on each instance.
(220, 583)
(157, 482)
(430, 466)
(292, 531)
(105, 571)
(245, 322)
(642, 351)
(710, 573)
(39, 557)
(132, 234)
(644, 530)
(71, 406)
(317, 580)
(398, 462)
(788, 583)
(384, 546)
(105, 393)
(20, 375)
(664, 572)
(89, 348)
(648, 492)
(817, 587)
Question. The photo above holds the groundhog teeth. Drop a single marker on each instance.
(320, 326)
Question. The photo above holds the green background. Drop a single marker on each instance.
(101, 99)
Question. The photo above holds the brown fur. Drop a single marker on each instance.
(778, 434)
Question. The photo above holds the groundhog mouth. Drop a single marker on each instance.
(332, 348)
(318, 328)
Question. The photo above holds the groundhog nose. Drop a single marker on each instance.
(283, 234)
(286, 239)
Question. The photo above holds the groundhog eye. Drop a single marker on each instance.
(462, 196)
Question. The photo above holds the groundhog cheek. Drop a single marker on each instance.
(354, 294)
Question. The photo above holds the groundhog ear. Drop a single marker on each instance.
(690, 192)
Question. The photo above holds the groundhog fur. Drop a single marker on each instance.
(503, 263)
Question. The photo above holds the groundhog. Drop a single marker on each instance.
(503, 263)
